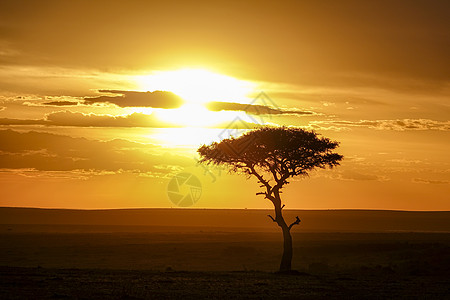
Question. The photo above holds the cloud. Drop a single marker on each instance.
(352, 175)
(156, 99)
(9, 121)
(405, 161)
(51, 152)
(398, 125)
(61, 103)
(77, 119)
(2, 108)
(67, 118)
(41, 101)
(252, 109)
(429, 181)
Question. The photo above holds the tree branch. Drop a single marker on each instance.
(261, 180)
(297, 221)
(266, 196)
(272, 218)
(282, 181)
(274, 173)
(263, 193)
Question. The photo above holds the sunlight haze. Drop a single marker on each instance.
(102, 103)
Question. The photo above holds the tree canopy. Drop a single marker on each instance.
(279, 152)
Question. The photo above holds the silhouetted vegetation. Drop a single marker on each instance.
(273, 155)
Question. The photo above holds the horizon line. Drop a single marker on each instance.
(215, 208)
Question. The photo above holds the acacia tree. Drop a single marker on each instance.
(273, 155)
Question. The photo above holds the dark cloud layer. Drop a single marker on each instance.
(67, 118)
(156, 99)
(252, 109)
(9, 121)
(61, 103)
(51, 152)
(77, 119)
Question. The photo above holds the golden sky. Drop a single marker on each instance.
(103, 102)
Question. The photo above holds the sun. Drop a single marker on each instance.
(197, 85)
(196, 115)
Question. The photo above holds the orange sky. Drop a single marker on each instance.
(82, 125)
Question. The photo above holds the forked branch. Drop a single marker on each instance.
(297, 221)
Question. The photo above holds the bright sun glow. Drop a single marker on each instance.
(197, 85)
(195, 115)
(188, 138)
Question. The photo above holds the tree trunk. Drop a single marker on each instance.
(286, 259)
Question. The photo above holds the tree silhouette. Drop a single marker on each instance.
(273, 155)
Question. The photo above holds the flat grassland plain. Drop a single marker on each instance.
(201, 253)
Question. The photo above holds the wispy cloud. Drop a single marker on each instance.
(351, 174)
(398, 124)
(430, 181)
(253, 109)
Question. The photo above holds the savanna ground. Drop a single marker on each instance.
(98, 262)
